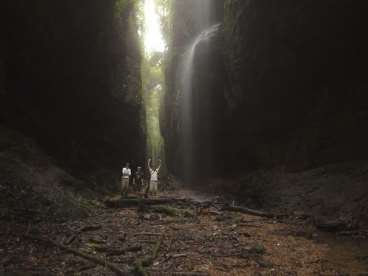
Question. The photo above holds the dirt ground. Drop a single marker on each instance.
(191, 237)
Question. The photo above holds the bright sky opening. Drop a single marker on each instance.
(153, 39)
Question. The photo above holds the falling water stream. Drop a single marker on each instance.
(185, 81)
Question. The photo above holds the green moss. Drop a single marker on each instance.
(120, 6)
(167, 210)
(138, 270)
(139, 266)
(123, 5)
(173, 212)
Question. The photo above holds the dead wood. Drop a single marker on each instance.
(175, 256)
(179, 256)
(97, 241)
(93, 259)
(86, 267)
(249, 211)
(123, 238)
(147, 234)
(214, 213)
(150, 259)
(189, 274)
(249, 225)
(331, 226)
(71, 239)
(182, 273)
(136, 202)
(117, 252)
(147, 241)
(90, 228)
(141, 264)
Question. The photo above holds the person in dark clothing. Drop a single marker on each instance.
(139, 179)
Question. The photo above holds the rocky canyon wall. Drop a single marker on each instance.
(70, 79)
(297, 75)
(284, 85)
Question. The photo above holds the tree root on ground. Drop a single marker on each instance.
(93, 259)
(248, 211)
(136, 202)
(141, 264)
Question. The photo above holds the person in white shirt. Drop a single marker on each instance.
(153, 184)
(125, 177)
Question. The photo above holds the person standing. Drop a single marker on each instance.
(139, 179)
(125, 177)
(153, 184)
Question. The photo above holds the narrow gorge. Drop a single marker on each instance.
(252, 105)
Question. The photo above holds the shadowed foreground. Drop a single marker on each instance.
(187, 236)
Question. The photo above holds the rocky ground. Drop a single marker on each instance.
(335, 194)
(188, 235)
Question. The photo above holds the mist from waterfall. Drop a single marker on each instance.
(185, 83)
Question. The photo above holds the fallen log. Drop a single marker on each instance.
(117, 252)
(71, 239)
(90, 228)
(86, 267)
(179, 273)
(147, 234)
(249, 211)
(93, 259)
(331, 226)
(189, 274)
(82, 230)
(137, 202)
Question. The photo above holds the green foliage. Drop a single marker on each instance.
(152, 69)
(140, 18)
(140, 264)
(167, 210)
(153, 83)
(173, 212)
(138, 269)
(120, 6)
(164, 8)
(153, 77)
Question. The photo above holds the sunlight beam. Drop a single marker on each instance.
(153, 38)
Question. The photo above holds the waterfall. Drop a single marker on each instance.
(185, 83)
